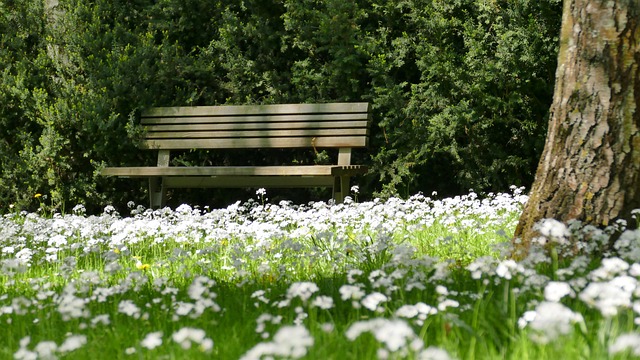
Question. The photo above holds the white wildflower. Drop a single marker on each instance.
(394, 334)
(635, 270)
(206, 345)
(289, 342)
(433, 353)
(552, 319)
(199, 288)
(72, 343)
(186, 336)
(609, 296)
(407, 311)
(481, 266)
(507, 268)
(554, 230)
(624, 342)
(323, 302)
(628, 245)
(46, 350)
(127, 307)
(72, 307)
(419, 311)
(184, 209)
(302, 290)
(447, 303)
(556, 290)
(300, 315)
(25, 354)
(352, 274)
(183, 308)
(263, 319)
(373, 300)
(442, 290)
(609, 268)
(100, 319)
(526, 318)
(260, 295)
(152, 340)
(351, 292)
(8, 250)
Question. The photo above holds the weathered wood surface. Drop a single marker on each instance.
(257, 143)
(333, 125)
(337, 125)
(306, 170)
(244, 110)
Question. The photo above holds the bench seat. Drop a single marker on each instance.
(304, 170)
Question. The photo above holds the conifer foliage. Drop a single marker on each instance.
(460, 89)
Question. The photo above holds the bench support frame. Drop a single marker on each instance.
(339, 180)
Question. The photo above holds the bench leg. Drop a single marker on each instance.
(157, 193)
(340, 188)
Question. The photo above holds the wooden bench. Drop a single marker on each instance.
(342, 126)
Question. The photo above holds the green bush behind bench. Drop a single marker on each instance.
(460, 90)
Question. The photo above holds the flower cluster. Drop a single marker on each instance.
(297, 276)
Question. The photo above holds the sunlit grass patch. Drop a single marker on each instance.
(416, 278)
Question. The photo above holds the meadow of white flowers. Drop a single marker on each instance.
(417, 278)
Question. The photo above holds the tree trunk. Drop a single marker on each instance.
(590, 166)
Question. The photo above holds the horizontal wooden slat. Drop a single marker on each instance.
(149, 171)
(255, 143)
(249, 181)
(259, 126)
(206, 119)
(305, 170)
(258, 109)
(255, 134)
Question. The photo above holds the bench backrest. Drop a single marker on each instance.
(332, 125)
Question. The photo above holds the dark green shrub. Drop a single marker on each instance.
(460, 89)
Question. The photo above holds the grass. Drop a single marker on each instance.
(417, 278)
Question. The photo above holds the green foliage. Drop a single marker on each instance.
(474, 80)
(460, 89)
(23, 83)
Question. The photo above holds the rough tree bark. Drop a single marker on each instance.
(590, 166)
